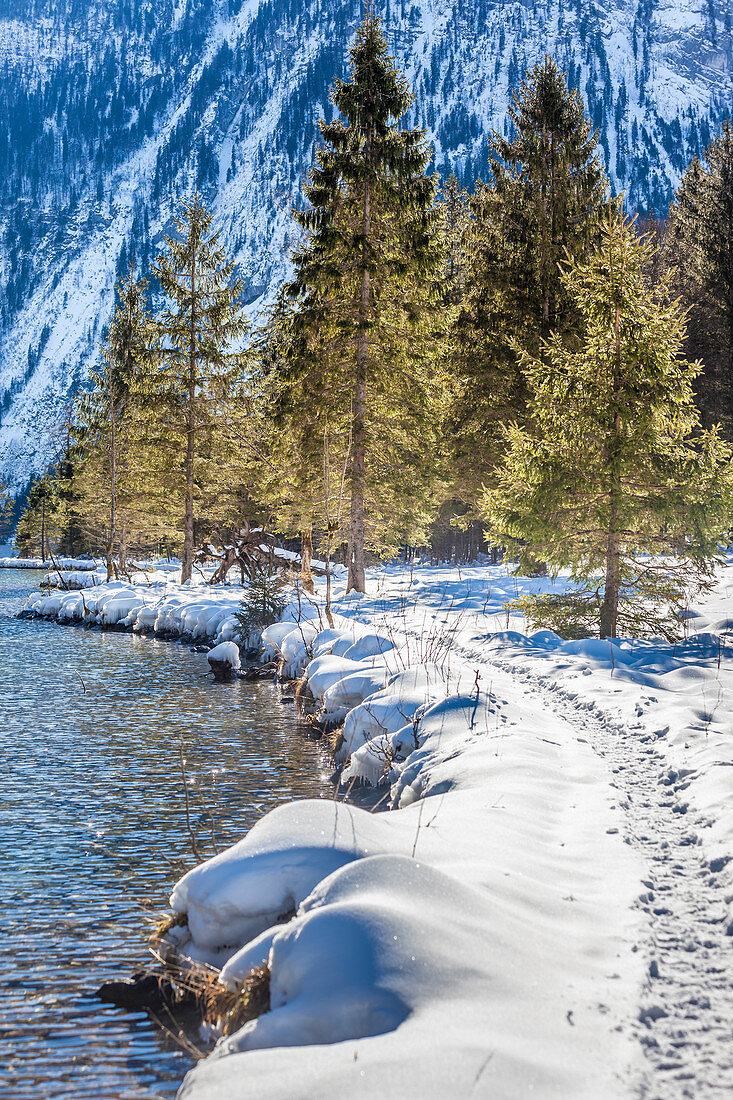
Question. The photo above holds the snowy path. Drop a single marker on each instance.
(684, 1023)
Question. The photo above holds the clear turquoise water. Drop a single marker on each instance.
(93, 833)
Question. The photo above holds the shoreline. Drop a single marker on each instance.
(505, 824)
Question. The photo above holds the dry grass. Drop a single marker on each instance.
(234, 1010)
(225, 1009)
(304, 700)
(335, 740)
(165, 924)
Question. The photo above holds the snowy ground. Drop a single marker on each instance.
(77, 564)
(547, 908)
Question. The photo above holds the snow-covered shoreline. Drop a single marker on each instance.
(199, 612)
(77, 564)
(496, 932)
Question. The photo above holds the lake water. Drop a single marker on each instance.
(93, 833)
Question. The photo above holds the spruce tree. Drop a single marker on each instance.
(700, 242)
(296, 442)
(44, 518)
(615, 467)
(454, 220)
(543, 205)
(111, 417)
(199, 337)
(365, 284)
(549, 187)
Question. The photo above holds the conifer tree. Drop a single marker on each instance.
(616, 466)
(700, 242)
(365, 281)
(6, 506)
(43, 519)
(289, 434)
(111, 418)
(550, 188)
(199, 337)
(454, 218)
(543, 204)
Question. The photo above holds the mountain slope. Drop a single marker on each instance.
(112, 109)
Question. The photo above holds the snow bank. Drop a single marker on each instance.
(74, 578)
(243, 891)
(198, 611)
(463, 942)
(78, 564)
(225, 653)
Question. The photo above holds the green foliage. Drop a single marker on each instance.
(650, 603)
(550, 189)
(542, 206)
(614, 465)
(44, 518)
(700, 242)
(360, 380)
(262, 604)
(202, 364)
(115, 431)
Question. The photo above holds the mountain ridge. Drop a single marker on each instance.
(117, 108)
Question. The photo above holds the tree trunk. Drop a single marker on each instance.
(187, 555)
(123, 550)
(112, 478)
(609, 606)
(43, 530)
(356, 579)
(306, 554)
(730, 303)
(329, 551)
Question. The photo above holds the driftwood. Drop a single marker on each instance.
(250, 549)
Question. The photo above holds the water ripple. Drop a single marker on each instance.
(93, 833)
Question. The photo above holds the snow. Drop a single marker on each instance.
(227, 653)
(38, 563)
(560, 833)
(475, 919)
(454, 934)
(681, 77)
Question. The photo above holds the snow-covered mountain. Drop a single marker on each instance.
(112, 109)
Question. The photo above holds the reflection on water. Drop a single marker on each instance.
(93, 832)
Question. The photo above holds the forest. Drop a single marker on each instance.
(520, 368)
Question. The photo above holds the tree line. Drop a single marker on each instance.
(522, 363)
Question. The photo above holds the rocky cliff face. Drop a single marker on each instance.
(112, 109)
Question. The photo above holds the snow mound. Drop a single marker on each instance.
(227, 653)
(242, 892)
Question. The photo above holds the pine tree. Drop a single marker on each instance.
(543, 204)
(365, 281)
(6, 508)
(615, 466)
(111, 418)
(199, 336)
(454, 220)
(700, 242)
(44, 518)
(262, 603)
(302, 453)
(549, 188)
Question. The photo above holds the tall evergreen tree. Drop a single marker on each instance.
(111, 417)
(700, 242)
(199, 336)
(615, 466)
(543, 205)
(44, 518)
(549, 188)
(365, 282)
(454, 220)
